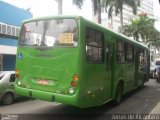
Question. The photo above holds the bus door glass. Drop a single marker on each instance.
(139, 66)
(109, 69)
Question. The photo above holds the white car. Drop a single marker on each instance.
(7, 80)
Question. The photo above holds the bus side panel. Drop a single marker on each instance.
(94, 84)
(93, 75)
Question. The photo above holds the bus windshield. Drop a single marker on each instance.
(50, 33)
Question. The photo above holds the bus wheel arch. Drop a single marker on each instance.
(118, 92)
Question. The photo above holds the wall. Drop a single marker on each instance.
(13, 15)
(10, 16)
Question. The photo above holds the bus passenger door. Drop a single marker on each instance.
(109, 53)
(136, 67)
(139, 67)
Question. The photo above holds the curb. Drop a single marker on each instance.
(156, 109)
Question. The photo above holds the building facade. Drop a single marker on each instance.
(114, 24)
(11, 18)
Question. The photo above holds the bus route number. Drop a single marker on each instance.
(66, 38)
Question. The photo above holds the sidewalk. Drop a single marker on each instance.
(156, 109)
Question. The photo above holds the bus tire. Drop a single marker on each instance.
(144, 79)
(118, 95)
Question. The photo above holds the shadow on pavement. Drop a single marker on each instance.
(139, 101)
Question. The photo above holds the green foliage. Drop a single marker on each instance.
(117, 6)
(96, 7)
(78, 3)
(142, 29)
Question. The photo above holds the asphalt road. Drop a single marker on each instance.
(140, 101)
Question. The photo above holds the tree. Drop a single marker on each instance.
(59, 2)
(78, 3)
(95, 3)
(96, 7)
(117, 7)
(142, 29)
(131, 30)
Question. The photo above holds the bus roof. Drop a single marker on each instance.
(125, 38)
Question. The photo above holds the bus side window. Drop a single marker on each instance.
(141, 57)
(120, 52)
(129, 51)
(143, 60)
(94, 46)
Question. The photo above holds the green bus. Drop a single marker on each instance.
(71, 60)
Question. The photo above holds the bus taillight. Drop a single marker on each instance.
(73, 83)
(17, 71)
(17, 74)
(75, 77)
(74, 80)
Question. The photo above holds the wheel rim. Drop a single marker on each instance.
(7, 99)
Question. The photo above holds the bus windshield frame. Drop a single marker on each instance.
(50, 33)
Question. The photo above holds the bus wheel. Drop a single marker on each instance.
(144, 79)
(118, 94)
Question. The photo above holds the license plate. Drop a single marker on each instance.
(43, 82)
